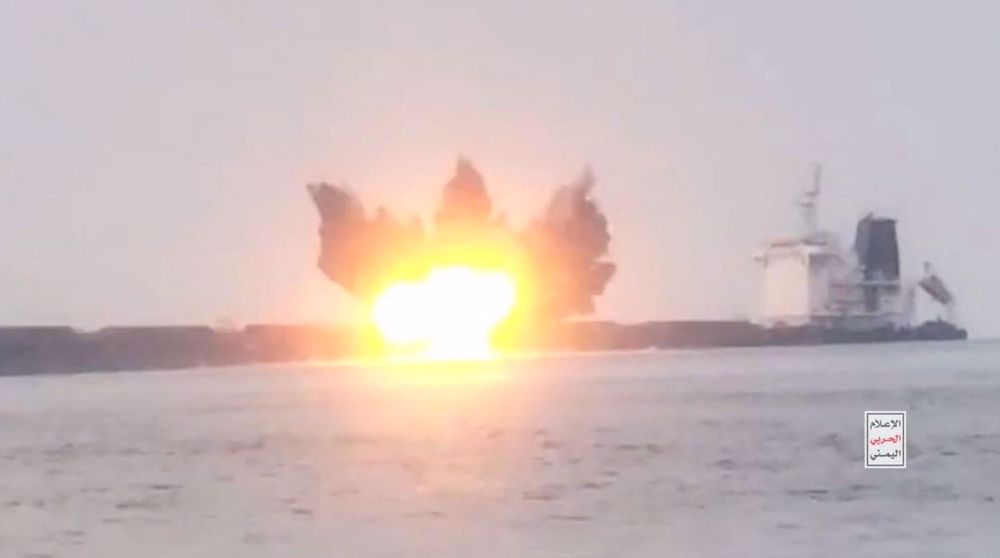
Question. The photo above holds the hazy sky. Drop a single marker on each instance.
(153, 155)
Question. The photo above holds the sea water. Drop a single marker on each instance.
(725, 452)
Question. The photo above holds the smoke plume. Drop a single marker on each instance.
(563, 251)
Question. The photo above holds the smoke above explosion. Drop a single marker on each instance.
(559, 257)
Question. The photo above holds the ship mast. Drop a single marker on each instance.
(809, 203)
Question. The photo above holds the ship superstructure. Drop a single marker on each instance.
(811, 280)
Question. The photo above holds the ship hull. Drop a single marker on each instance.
(38, 350)
(707, 334)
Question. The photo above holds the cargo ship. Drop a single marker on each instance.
(815, 292)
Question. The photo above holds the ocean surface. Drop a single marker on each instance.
(728, 452)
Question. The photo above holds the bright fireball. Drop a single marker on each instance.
(450, 314)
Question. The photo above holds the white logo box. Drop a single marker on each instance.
(885, 439)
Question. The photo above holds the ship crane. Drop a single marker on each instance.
(934, 286)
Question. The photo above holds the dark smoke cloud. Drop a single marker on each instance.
(568, 244)
(563, 251)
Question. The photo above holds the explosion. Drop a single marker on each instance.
(446, 292)
(451, 314)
